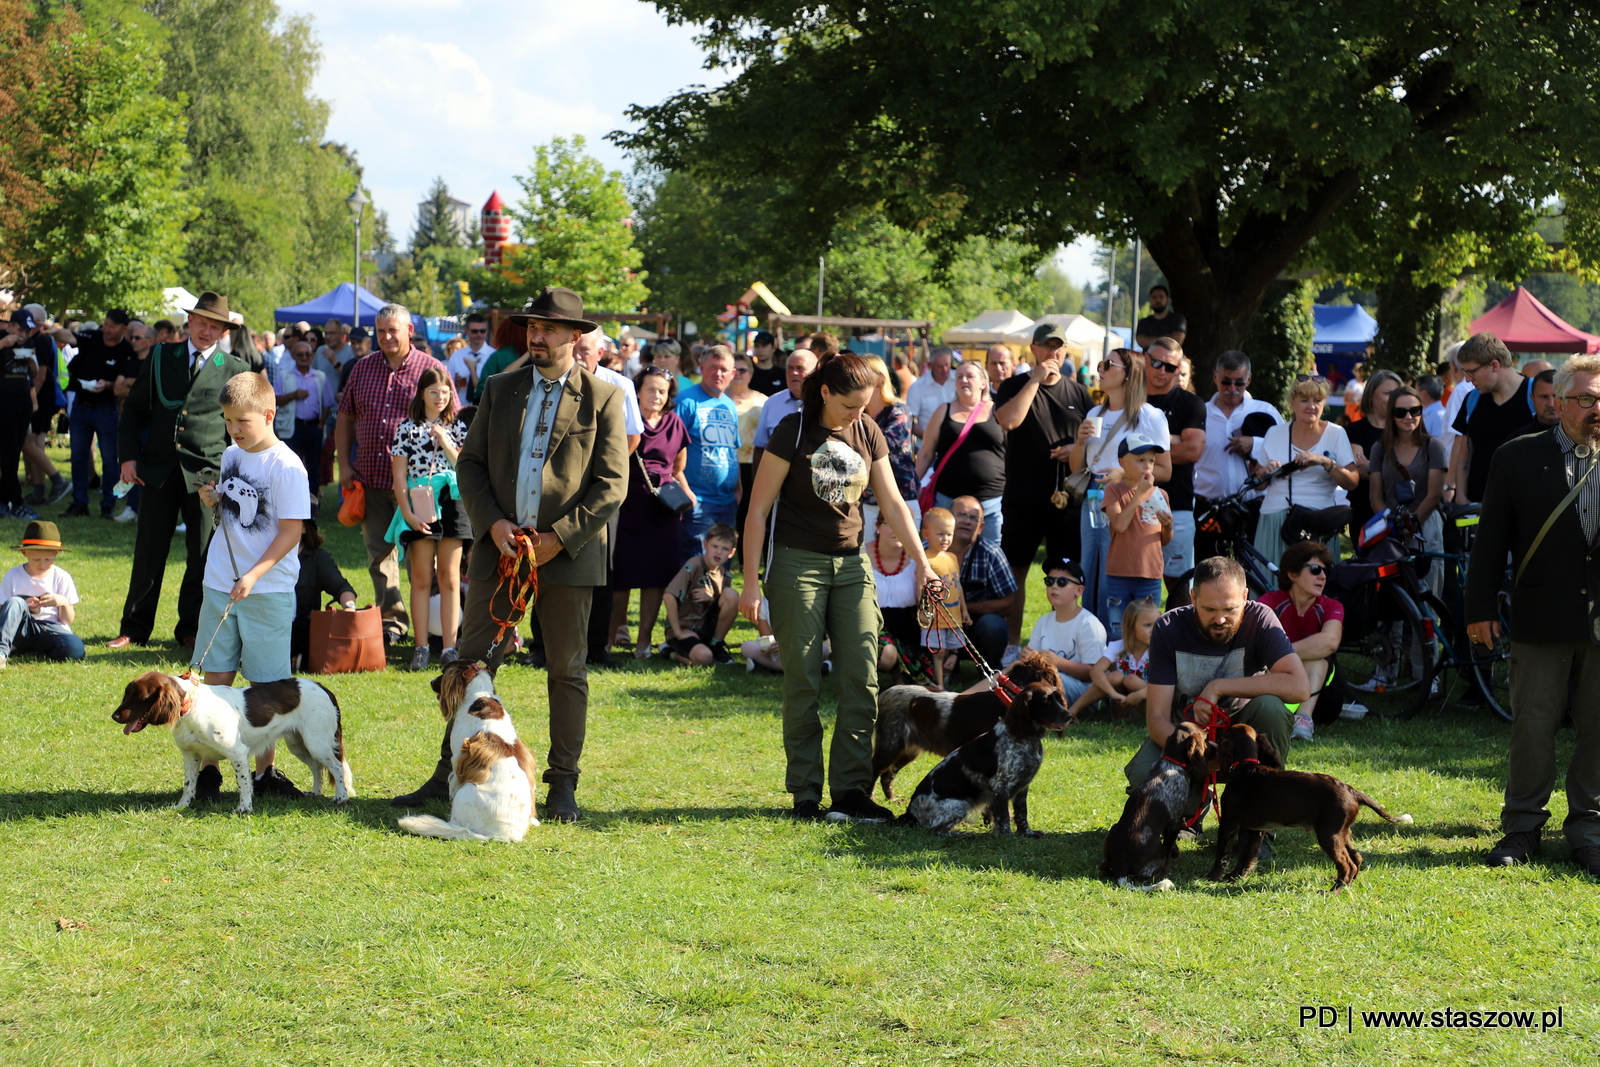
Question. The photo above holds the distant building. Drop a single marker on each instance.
(460, 216)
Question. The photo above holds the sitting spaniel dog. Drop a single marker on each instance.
(491, 776)
(1144, 842)
(993, 771)
(223, 723)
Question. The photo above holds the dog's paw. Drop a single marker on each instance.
(242, 809)
(1033, 833)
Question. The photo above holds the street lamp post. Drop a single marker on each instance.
(356, 203)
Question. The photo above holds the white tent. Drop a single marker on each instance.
(1082, 334)
(989, 328)
(177, 299)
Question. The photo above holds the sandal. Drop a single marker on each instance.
(621, 639)
(642, 652)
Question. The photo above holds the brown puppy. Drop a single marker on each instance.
(1260, 798)
(1144, 842)
(913, 719)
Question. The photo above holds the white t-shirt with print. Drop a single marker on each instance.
(1082, 640)
(18, 582)
(1101, 454)
(258, 490)
(1312, 487)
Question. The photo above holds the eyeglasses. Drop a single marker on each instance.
(1407, 413)
(1233, 383)
(1050, 581)
(740, 370)
(1319, 379)
(477, 329)
(1316, 570)
(1583, 400)
(1161, 364)
(1107, 364)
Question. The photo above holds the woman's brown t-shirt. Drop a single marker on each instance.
(819, 506)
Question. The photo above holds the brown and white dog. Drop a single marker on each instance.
(491, 776)
(1144, 842)
(913, 719)
(1261, 798)
(224, 723)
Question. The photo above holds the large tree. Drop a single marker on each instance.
(91, 159)
(272, 227)
(1227, 134)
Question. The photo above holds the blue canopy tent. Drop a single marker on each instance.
(336, 304)
(1342, 335)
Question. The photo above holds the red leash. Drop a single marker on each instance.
(939, 615)
(517, 576)
(1218, 722)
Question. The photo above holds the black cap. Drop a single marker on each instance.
(1061, 563)
(764, 338)
(359, 334)
(24, 318)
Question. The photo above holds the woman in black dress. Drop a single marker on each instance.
(644, 524)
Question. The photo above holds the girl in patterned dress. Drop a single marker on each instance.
(1119, 675)
(939, 530)
(424, 457)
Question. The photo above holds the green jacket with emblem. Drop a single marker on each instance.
(181, 412)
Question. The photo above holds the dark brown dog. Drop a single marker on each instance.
(913, 719)
(1261, 798)
(1144, 842)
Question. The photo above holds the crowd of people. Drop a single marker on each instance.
(885, 513)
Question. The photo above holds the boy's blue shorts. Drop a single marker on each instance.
(253, 639)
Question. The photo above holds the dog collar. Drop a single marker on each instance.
(1169, 759)
(1238, 763)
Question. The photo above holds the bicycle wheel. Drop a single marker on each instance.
(1492, 667)
(1394, 659)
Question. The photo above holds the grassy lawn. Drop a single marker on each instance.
(684, 922)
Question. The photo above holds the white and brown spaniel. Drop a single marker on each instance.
(491, 778)
(224, 723)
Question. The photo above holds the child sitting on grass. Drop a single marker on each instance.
(701, 605)
(1141, 524)
(1118, 675)
(1072, 637)
(37, 598)
(253, 562)
(938, 634)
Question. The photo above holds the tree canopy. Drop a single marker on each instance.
(1227, 135)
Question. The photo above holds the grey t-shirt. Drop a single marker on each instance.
(1186, 659)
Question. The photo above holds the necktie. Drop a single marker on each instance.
(542, 428)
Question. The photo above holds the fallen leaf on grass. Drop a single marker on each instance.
(71, 924)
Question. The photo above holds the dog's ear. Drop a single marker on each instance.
(1267, 753)
(438, 680)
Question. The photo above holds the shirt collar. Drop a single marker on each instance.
(560, 381)
(1568, 445)
(195, 353)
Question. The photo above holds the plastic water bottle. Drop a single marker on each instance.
(121, 489)
(1094, 500)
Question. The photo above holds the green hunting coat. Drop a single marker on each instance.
(181, 413)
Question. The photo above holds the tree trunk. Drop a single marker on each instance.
(1408, 321)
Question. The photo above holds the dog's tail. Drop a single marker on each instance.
(430, 826)
(1362, 798)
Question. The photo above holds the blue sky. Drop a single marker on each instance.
(466, 88)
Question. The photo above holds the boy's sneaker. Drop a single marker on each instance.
(208, 790)
(720, 653)
(274, 783)
(449, 655)
(856, 806)
(2, 663)
(23, 511)
(127, 514)
(1302, 728)
(806, 811)
(59, 488)
(420, 658)
(1010, 657)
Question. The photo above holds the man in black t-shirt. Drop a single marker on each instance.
(1186, 423)
(1501, 406)
(1162, 320)
(1040, 412)
(102, 358)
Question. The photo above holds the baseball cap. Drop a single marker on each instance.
(24, 318)
(1137, 444)
(764, 338)
(358, 334)
(1047, 331)
(1061, 563)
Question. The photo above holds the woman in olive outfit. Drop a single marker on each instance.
(819, 586)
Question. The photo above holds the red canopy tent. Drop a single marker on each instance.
(1525, 325)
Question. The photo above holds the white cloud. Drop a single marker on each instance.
(421, 88)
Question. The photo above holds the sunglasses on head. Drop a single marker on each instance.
(1319, 379)
(1161, 364)
(1408, 413)
(1061, 580)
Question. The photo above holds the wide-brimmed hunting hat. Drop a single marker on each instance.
(41, 534)
(555, 304)
(212, 306)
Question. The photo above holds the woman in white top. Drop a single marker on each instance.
(1321, 452)
(900, 639)
(1124, 412)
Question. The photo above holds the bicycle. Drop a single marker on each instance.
(1229, 519)
(1487, 671)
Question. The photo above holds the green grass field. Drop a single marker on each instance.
(683, 921)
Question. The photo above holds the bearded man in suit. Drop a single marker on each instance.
(547, 451)
(174, 398)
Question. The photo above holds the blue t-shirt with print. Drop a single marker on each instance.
(713, 462)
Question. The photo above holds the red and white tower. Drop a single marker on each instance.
(496, 229)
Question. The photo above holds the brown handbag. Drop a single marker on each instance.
(344, 642)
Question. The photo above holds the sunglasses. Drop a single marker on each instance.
(1050, 581)
(740, 370)
(1316, 570)
(1233, 383)
(1161, 364)
(1407, 413)
(477, 329)
(1107, 364)
(1319, 379)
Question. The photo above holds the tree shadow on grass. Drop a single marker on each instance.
(37, 804)
(904, 849)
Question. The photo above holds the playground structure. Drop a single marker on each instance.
(918, 332)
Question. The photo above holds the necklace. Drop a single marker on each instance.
(877, 560)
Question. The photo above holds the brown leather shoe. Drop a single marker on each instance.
(119, 642)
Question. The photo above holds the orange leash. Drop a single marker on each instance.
(932, 604)
(517, 576)
(1210, 798)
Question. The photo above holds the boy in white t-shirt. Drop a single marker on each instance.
(263, 497)
(1072, 637)
(37, 598)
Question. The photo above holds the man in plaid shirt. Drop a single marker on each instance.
(376, 400)
(986, 580)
